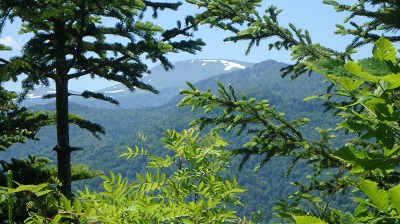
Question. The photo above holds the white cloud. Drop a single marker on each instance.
(9, 41)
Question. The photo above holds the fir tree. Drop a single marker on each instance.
(71, 39)
(17, 123)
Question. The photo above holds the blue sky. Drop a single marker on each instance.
(319, 19)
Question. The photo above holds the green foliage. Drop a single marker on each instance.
(369, 91)
(10, 202)
(70, 39)
(372, 113)
(381, 206)
(365, 98)
(272, 134)
(113, 61)
(371, 110)
(190, 186)
(121, 123)
(378, 16)
(18, 123)
(307, 219)
(32, 171)
(36, 199)
(37, 170)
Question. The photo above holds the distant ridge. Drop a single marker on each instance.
(189, 70)
(168, 82)
(203, 72)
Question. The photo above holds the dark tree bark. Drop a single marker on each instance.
(63, 147)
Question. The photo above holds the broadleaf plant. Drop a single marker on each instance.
(194, 187)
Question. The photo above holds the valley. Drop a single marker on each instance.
(153, 114)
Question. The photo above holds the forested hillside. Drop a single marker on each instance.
(261, 81)
(341, 166)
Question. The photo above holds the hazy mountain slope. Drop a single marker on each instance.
(167, 82)
(122, 125)
(267, 75)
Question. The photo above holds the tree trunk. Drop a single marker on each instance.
(63, 147)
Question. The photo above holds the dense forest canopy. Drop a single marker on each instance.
(190, 184)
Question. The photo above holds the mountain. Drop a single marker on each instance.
(167, 82)
(35, 97)
(190, 70)
(261, 81)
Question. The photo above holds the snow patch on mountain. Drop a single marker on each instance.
(36, 94)
(32, 96)
(115, 91)
(230, 65)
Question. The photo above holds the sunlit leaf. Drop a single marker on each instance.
(384, 50)
(357, 70)
(379, 197)
(392, 79)
(307, 220)
(394, 197)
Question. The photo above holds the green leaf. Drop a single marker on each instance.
(228, 185)
(77, 206)
(328, 67)
(377, 105)
(379, 197)
(391, 151)
(107, 186)
(374, 66)
(392, 79)
(307, 219)
(347, 218)
(66, 203)
(191, 85)
(357, 70)
(394, 197)
(384, 50)
(360, 210)
(323, 97)
(240, 190)
(385, 136)
(41, 193)
(354, 126)
(56, 219)
(363, 161)
(350, 84)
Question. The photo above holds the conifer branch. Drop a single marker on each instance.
(4, 61)
(99, 96)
